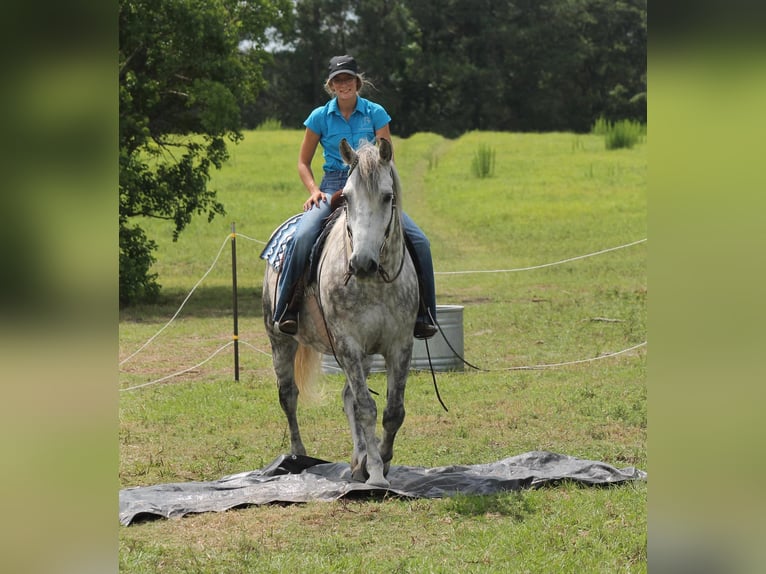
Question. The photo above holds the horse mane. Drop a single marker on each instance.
(367, 164)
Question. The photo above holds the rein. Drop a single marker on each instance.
(382, 272)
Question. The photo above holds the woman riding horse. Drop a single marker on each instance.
(347, 115)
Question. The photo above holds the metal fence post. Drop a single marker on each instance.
(234, 292)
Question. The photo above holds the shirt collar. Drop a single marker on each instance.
(335, 110)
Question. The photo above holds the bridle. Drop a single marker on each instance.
(381, 271)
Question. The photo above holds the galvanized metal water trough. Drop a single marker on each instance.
(450, 318)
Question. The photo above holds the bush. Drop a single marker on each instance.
(625, 133)
(620, 134)
(483, 164)
(137, 284)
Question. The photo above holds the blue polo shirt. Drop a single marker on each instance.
(327, 121)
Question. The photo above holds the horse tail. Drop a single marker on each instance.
(307, 362)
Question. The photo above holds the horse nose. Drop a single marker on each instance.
(362, 266)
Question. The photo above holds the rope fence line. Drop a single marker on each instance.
(142, 347)
(544, 264)
(552, 365)
(523, 368)
(212, 265)
(165, 378)
(230, 343)
(243, 236)
(254, 348)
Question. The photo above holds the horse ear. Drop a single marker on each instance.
(385, 149)
(347, 152)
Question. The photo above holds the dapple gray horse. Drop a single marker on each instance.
(364, 302)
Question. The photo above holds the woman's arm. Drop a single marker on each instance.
(308, 149)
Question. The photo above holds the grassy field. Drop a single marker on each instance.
(552, 197)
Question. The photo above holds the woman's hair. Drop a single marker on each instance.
(361, 84)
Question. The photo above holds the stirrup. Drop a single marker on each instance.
(288, 323)
(424, 330)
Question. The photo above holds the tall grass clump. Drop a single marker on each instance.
(619, 134)
(483, 164)
(624, 134)
(601, 126)
(270, 125)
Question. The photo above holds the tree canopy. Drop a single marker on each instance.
(185, 74)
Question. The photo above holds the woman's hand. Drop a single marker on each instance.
(315, 198)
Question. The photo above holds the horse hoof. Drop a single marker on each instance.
(359, 475)
(379, 483)
(359, 470)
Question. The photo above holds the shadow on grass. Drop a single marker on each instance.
(205, 302)
(515, 505)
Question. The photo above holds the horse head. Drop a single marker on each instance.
(371, 196)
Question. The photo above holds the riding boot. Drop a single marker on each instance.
(424, 329)
(288, 322)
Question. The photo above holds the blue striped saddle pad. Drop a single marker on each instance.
(274, 252)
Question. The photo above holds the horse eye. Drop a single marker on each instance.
(387, 198)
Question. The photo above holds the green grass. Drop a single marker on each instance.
(549, 199)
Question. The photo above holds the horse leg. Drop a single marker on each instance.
(365, 415)
(283, 353)
(359, 456)
(397, 367)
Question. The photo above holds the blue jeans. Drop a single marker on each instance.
(309, 228)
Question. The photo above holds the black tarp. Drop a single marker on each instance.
(291, 478)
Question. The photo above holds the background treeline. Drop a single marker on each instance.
(451, 66)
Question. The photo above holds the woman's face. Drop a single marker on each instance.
(344, 86)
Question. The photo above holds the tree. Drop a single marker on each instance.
(374, 31)
(379, 41)
(299, 66)
(458, 70)
(616, 66)
(184, 75)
